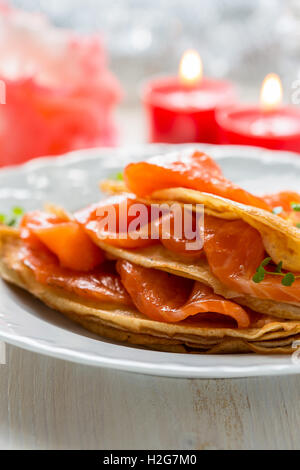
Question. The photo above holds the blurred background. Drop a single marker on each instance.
(237, 40)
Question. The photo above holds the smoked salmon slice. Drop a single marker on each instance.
(101, 284)
(185, 242)
(93, 221)
(113, 222)
(156, 294)
(234, 251)
(168, 298)
(194, 171)
(65, 238)
(284, 204)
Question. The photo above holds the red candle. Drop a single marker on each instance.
(268, 125)
(183, 109)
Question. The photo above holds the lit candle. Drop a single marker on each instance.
(271, 93)
(182, 109)
(190, 68)
(269, 125)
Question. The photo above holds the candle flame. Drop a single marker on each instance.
(190, 69)
(271, 92)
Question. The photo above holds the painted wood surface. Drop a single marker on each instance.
(52, 404)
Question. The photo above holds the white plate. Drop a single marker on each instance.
(72, 181)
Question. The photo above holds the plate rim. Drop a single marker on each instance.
(157, 369)
(98, 152)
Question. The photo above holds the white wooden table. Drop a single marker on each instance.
(52, 404)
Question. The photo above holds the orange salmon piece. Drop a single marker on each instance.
(66, 239)
(92, 217)
(282, 202)
(168, 298)
(121, 211)
(234, 251)
(180, 243)
(101, 284)
(194, 171)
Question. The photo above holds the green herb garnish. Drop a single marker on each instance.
(18, 211)
(259, 275)
(118, 176)
(12, 219)
(279, 267)
(298, 225)
(287, 278)
(277, 210)
(295, 206)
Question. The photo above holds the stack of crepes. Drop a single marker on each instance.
(56, 91)
(239, 293)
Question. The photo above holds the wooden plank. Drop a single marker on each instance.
(51, 404)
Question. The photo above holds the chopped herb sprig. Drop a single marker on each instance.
(287, 278)
(118, 176)
(12, 219)
(295, 206)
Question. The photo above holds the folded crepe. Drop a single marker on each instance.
(246, 230)
(239, 293)
(111, 313)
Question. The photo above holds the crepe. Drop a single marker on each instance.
(159, 257)
(280, 238)
(266, 335)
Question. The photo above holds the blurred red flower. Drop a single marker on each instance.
(58, 90)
